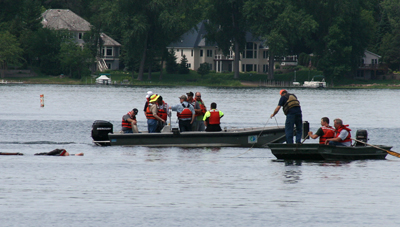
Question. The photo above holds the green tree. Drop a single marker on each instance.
(10, 51)
(149, 26)
(204, 69)
(283, 24)
(74, 59)
(183, 68)
(227, 27)
(171, 65)
(343, 34)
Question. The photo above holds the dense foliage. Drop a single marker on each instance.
(335, 32)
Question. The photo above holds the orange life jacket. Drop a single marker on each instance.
(186, 113)
(214, 118)
(127, 124)
(202, 107)
(348, 138)
(149, 114)
(329, 132)
(162, 112)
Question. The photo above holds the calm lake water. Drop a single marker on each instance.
(139, 186)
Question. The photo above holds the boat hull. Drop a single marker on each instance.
(254, 137)
(326, 152)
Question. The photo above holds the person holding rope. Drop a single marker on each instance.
(292, 110)
(342, 134)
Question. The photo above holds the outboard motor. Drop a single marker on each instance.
(306, 129)
(100, 130)
(361, 135)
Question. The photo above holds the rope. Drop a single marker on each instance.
(276, 122)
(253, 143)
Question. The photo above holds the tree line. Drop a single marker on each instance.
(335, 32)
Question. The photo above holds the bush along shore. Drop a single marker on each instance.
(212, 79)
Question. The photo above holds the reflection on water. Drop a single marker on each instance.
(292, 176)
(141, 186)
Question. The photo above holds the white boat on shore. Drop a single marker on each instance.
(314, 83)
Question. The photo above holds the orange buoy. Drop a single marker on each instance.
(41, 100)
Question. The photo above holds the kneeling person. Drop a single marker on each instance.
(212, 119)
(129, 123)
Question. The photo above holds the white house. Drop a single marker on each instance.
(65, 19)
(197, 50)
(369, 66)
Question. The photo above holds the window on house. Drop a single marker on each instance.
(109, 51)
(265, 68)
(265, 54)
(249, 67)
(181, 52)
(188, 65)
(255, 68)
(243, 68)
(210, 66)
(80, 35)
(209, 53)
(201, 53)
(192, 53)
(249, 50)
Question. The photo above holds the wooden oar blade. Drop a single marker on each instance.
(393, 153)
(387, 151)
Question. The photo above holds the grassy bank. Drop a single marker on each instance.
(211, 79)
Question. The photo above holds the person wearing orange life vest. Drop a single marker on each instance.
(198, 124)
(185, 113)
(163, 109)
(342, 134)
(212, 119)
(325, 132)
(151, 114)
(146, 104)
(129, 123)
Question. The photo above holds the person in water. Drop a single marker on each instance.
(59, 152)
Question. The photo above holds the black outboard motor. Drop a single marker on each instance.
(100, 130)
(306, 129)
(361, 135)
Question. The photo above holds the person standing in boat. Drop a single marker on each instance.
(185, 113)
(129, 123)
(325, 132)
(342, 134)
(292, 110)
(146, 104)
(212, 119)
(196, 107)
(199, 122)
(151, 114)
(163, 109)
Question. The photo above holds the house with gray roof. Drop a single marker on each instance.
(197, 50)
(65, 19)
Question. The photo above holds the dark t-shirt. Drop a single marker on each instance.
(320, 132)
(293, 110)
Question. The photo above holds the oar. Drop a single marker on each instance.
(304, 139)
(389, 152)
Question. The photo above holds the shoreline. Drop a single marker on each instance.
(255, 84)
